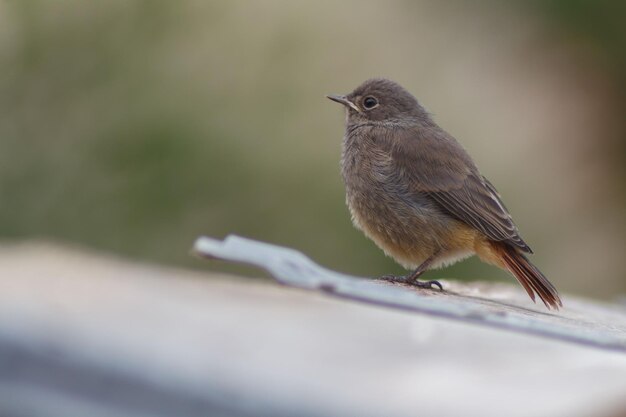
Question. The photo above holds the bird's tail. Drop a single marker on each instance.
(528, 275)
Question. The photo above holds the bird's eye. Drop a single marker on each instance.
(370, 102)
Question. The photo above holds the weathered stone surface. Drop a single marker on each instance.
(83, 334)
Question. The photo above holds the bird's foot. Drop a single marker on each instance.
(409, 279)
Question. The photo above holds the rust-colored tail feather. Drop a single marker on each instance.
(528, 275)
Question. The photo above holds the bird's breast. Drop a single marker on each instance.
(398, 221)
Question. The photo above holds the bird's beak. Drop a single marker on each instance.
(343, 100)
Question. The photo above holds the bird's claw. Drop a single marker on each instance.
(427, 284)
(393, 278)
(406, 280)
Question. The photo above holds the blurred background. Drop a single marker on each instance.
(133, 126)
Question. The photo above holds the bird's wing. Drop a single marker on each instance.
(436, 165)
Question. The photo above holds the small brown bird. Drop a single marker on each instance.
(414, 190)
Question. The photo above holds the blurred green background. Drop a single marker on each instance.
(133, 126)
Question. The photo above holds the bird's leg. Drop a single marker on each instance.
(411, 279)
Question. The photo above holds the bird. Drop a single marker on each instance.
(414, 191)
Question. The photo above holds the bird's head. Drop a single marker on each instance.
(380, 100)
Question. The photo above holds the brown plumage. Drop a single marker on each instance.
(414, 190)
